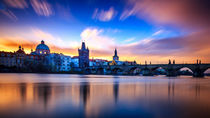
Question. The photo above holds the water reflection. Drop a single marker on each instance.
(119, 96)
(85, 93)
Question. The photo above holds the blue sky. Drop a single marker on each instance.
(105, 25)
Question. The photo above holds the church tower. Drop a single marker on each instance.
(83, 56)
(115, 57)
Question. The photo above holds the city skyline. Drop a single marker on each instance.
(138, 29)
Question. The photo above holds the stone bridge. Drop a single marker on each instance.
(148, 70)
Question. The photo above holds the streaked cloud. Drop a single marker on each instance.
(182, 13)
(9, 14)
(103, 15)
(127, 13)
(42, 7)
(158, 32)
(129, 40)
(16, 3)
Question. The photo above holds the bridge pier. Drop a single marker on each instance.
(171, 70)
(171, 73)
(198, 73)
(147, 72)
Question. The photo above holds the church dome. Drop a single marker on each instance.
(42, 46)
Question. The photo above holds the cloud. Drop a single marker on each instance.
(11, 43)
(188, 15)
(42, 7)
(103, 15)
(182, 13)
(16, 3)
(184, 47)
(94, 39)
(98, 44)
(158, 32)
(9, 14)
(127, 13)
(54, 41)
(129, 40)
(31, 38)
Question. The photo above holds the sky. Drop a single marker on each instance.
(151, 30)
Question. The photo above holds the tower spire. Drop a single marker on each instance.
(115, 57)
(83, 45)
(115, 52)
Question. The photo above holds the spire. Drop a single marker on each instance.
(83, 45)
(115, 52)
(19, 47)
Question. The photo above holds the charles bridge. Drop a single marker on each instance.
(197, 69)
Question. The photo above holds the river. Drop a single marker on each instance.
(66, 95)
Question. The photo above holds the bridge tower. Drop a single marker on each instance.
(83, 56)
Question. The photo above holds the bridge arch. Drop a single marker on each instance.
(117, 70)
(158, 70)
(185, 71)
(207, 71)
(134, 71)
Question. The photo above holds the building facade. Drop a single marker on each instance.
(19, 60)
(13, 59)
(98, 62)
(41, 60)
(60, 62)
(75, 62)
(65, 63)
(7, 59)
(83, 56)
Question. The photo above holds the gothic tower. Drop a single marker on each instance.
(115, 57)
(83, 56)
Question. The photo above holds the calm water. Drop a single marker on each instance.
(54, 95)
